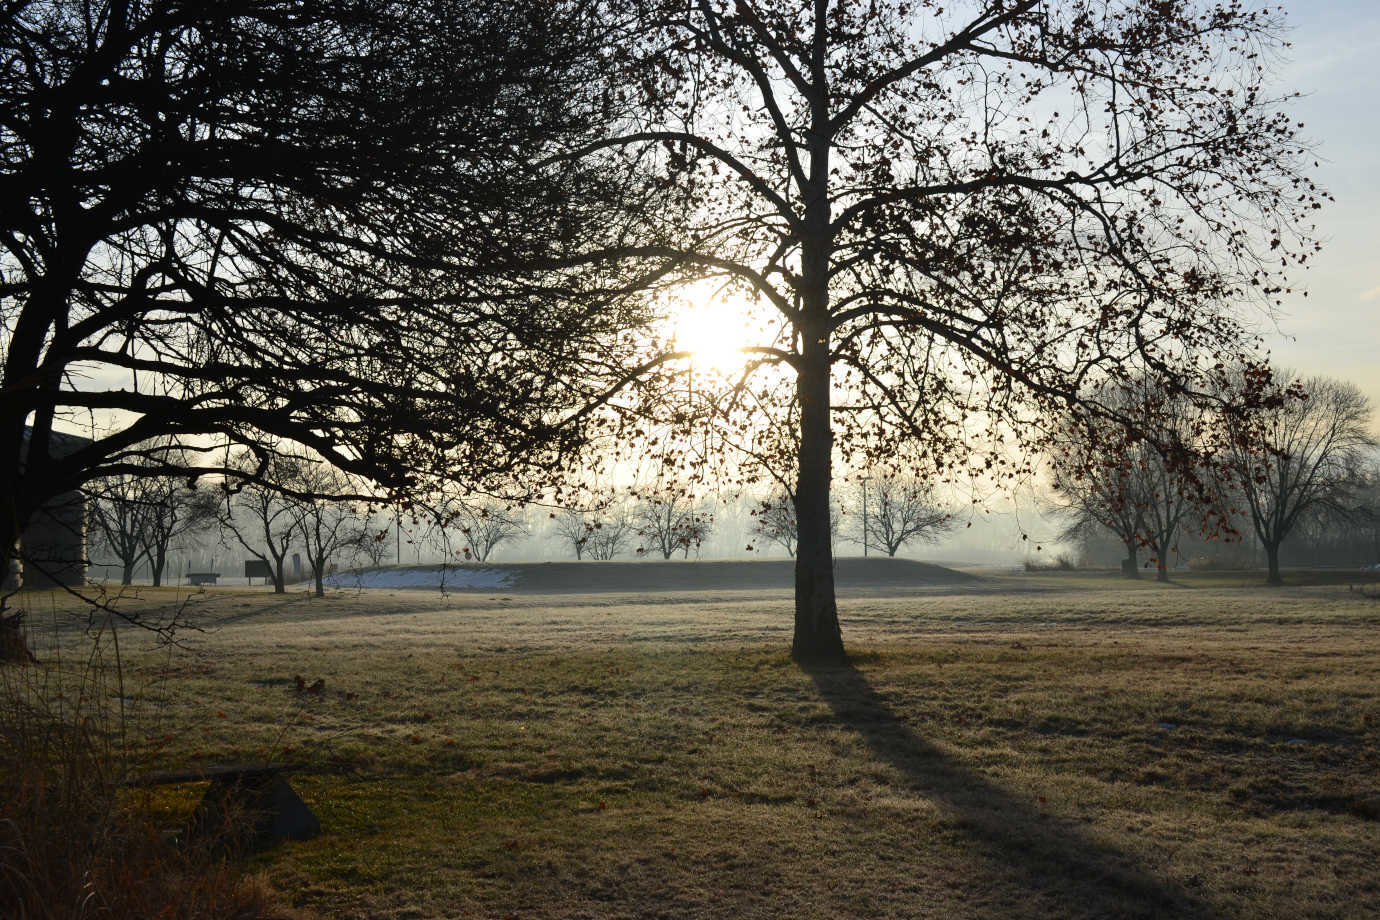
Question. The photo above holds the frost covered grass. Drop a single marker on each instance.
(1059, 745)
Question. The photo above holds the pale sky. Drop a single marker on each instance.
(1335, 330)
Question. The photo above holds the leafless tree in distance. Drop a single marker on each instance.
(902, 510)
(1292, 445)
(485, 524)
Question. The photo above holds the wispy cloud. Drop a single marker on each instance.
(1372, 294)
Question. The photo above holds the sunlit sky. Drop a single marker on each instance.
(1336, 61)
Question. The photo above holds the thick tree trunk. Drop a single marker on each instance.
(1272, 562)
(1161, 571)
(818, 638)
(279, 584)
(320, 583)
(127, 573)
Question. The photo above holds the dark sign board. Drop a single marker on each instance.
(257, 568)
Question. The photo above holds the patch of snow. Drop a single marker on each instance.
(423, 577)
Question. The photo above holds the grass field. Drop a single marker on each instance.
(1064, 745)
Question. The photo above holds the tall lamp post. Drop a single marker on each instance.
(864, 480)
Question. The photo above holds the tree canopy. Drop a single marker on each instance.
(957, 219)
(276, 221)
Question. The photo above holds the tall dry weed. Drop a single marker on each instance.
(76, 842)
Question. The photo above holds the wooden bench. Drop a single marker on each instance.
(202, 578)
(256, 796)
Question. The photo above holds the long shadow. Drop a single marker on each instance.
(1065, 871)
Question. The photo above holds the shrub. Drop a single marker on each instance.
(1061, 563)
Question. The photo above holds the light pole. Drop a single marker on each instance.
(864, 480)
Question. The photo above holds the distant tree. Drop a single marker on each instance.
(117, 515)
(1134, 473)
(1347, 535)
(612, 531)
(774, 521)
(174, 510)
(573, 528)
(326, 520)
(372, 539)
(602, 534)
(902, 510)
(484, 524)
(671, 521)
(1293, 445)
(258, 515)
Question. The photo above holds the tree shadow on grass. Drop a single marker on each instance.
(1064, 871)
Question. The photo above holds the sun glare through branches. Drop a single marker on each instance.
(715, 324)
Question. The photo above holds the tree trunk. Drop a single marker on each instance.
(156, 566)
(127, 573)
(1130, 567)
(818, 638)
(1272, 562)
(320, 581)
(1161, 571)
(279, 585)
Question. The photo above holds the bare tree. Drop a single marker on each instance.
(1135, 474)
(574, 528)
(213, 230)
(372, 539)
(903, 510)
(484, 524)
(671, 520)
(1293, 445)
(612, 533)
(175, 510)
(774, 521)
(117, 515)
(259, 516)
(326, 520)
(602, 534)
(967, 216)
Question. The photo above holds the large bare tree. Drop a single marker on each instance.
(266, 221)
(956, 218)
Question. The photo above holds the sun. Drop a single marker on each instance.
(713, 324)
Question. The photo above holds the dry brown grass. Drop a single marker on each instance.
(1061, 746)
